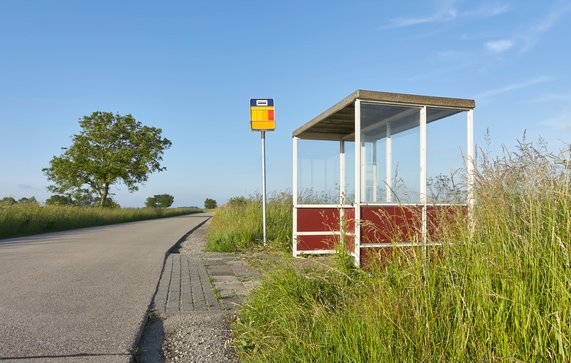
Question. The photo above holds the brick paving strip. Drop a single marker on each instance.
(193, 325)
(184, 287)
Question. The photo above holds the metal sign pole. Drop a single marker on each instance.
(262, 119)
(263, 134)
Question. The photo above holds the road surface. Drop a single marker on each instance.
(82, 295)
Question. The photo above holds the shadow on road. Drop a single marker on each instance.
(150, 348)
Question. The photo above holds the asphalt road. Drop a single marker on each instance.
(82, 295)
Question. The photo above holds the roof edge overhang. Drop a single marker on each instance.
(384, 97)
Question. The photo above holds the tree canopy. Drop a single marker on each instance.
(24, 201)
(210, 203)
(110, 149)
(159, 201)
(59, 200)
(7, 202)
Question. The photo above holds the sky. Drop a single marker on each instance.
(190, 68)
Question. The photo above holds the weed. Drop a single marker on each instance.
(499, 292)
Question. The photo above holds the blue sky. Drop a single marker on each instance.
(191, 67)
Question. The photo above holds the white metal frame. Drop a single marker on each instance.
(358, 188)
(423, 173)
(470, 166)
(294, 197)
(360, 177)
(389, 164)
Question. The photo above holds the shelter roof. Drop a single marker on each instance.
(338, 122)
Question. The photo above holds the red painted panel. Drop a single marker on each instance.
(440, 218)
(387, 224)
(317, 219)
(311, 243)
(350, 243)
(349, 215)
(378, 257)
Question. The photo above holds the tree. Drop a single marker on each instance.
(109, 203)
(159, 201)
(7, 202)
(59, 200)
(210, 203)
(151, 202)
(10, 201)
(32, 201)
(110, 149)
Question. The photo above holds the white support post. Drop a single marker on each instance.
(470, 166)
(374, 171)
(363, 170)
(358, 190)
(388, 165)
(341, 172)
(342, 192)
(294, 196)
(423, 172)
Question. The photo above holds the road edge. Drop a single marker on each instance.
(144, 322)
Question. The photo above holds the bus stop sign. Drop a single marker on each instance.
(262, 114)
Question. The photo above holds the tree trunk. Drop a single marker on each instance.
(104, 195)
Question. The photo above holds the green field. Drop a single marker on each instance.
(18, 220)
(499, 292)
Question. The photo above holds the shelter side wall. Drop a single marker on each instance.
(322, 229)
(403, 223)
(383, 227)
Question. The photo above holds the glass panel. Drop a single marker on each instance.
(445, 152)
(349, 172)
(318, 172)
(390, 174)
(406, 166)
(375, 182)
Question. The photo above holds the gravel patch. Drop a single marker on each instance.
(200, 337)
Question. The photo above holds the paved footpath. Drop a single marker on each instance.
(184, 287)
(82, 295)
(197, 296)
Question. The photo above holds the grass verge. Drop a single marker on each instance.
(500, 291)
(237, 225)
(27, 220)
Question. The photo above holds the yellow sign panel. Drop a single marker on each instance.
(262, 114)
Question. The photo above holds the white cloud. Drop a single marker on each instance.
(535, 32)
(447, 11)
(450, 53)
(555, 97)
(26, 186)
(512, 87)
(560, 122)
(499, 46)
(489, 10)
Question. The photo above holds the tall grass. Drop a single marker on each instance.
(501, 291)
(25, 220)
(237, 225)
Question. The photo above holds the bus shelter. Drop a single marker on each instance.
(370, 172)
